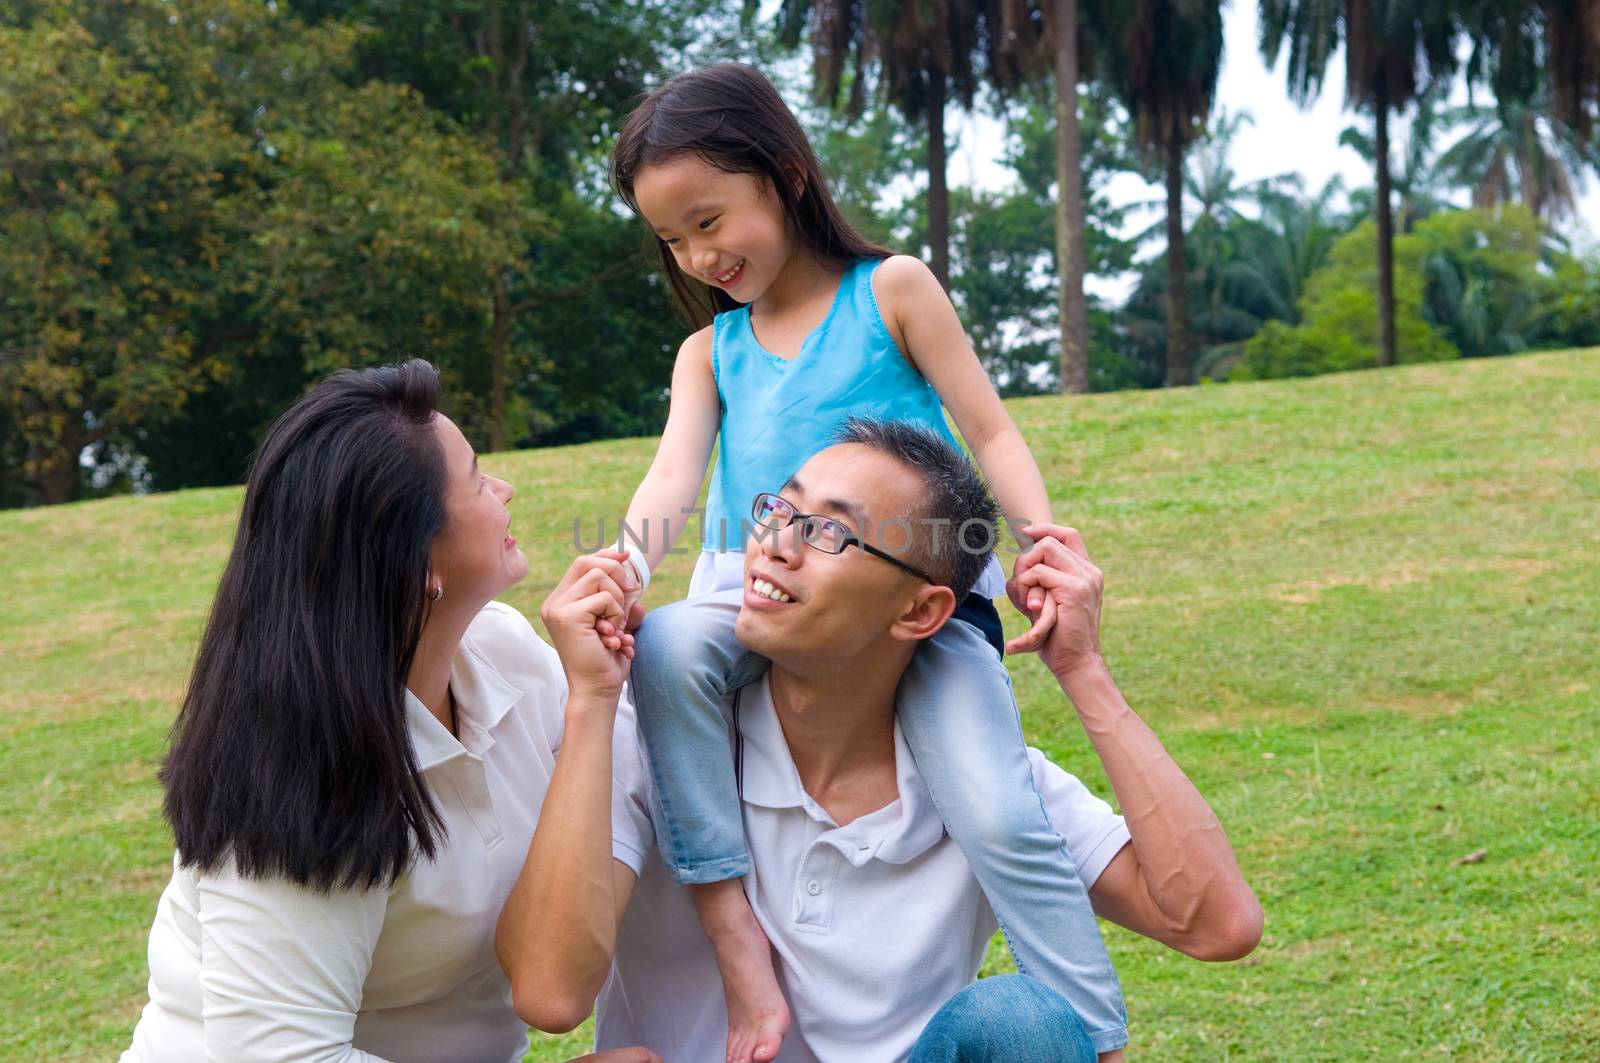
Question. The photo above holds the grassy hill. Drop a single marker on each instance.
(1363, 611)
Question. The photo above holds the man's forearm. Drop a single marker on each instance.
(558, 929)
(1184, 857)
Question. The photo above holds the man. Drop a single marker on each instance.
(876, 921)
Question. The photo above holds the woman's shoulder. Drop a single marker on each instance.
(502, 635)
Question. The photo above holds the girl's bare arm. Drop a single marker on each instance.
(922, 320)
(664, 500)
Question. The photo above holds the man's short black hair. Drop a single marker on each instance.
(955, 535)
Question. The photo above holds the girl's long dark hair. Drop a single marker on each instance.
(731, 116)
(291, 754)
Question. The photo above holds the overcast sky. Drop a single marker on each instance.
(1283, 138)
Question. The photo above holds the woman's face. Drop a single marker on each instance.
(475, 558)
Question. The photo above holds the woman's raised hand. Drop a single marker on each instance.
(589, 619)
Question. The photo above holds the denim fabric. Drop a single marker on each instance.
(1009, 1019)
(961, 723)
(686, 662)
(960, 720)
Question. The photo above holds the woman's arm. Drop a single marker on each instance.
(665, 498)
(558, 929)
(282, 968)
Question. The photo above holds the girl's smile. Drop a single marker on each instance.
(725, 229)
(729, 280)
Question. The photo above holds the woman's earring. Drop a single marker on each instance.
(436, 592)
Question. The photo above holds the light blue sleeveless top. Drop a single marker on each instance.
(776, 413)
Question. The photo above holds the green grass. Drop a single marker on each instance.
(1361, 611)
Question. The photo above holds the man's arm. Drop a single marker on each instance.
(558, 928)
(1179, 881)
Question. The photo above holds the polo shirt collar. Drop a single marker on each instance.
(483, 697)
(898, 833)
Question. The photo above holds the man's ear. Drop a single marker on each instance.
(925, 614)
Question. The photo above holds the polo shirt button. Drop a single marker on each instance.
(813, 887)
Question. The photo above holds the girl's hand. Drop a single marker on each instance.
(588, 624)
(1060, 566)
(1029, 598)
(632, 591)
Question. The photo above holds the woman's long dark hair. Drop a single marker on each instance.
(731, 116)
(291, 754)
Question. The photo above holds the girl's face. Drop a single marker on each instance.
(475, 558)
(726, 229)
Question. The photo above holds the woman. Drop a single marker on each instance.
(363, 749)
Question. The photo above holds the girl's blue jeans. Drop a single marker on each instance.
(1008, 1019)
(960, 720)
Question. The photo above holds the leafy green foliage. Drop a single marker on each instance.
(1469, 283)
(192, 195)
(1004, 273)
(1482, 284)
(580, 334)
(1340, 312)
(1571, 310)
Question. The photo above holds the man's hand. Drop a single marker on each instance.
(588, 620)
(1059, 565)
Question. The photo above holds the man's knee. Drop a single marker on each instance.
(1011, 1017)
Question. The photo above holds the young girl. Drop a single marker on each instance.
(806, 324)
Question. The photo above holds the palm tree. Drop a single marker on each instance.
(1244, 270)
(1062, 22)
(1418, 181)
(1289, 242)
(1393, 50)
(1211, 186)
(1519, 149)
(1553, 46)
(1164, 57)
(923, 53)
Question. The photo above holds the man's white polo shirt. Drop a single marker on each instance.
(876, 923)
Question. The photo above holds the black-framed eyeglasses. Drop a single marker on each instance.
(820, 533)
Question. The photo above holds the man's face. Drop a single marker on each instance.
(837, 603)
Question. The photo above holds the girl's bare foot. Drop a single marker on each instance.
(758, 1016)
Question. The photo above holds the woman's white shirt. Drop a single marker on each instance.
(244, 970)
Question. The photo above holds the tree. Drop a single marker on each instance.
(1519, 149)
(1482, 287)
(1066, 54)
(1549, 46)
(1247, 266)
(920, 54)
(1005, 265)
(541, 87)
(1393, 50)
(1341, 326)
(1164, 57)
(189, 192)
(1419, 182)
